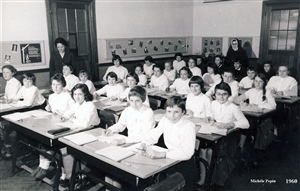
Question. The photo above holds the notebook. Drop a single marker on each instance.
(81, 138)
(109, 139)
(115, 153)
(209, 129)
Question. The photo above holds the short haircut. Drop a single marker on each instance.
(117, 57)
(140, 66)
(11, 68)
(190, 74)
(59, 77)
(193, 58)
(219, 56)
(236, 60)
(213, 66)
(29, 76)
(284, 65)
(268, 62)
(69, 66)
(149, 58)
(157, 66)
(85, 90)
(229, 70)
(198, 56)
(112, 75)
(84, 72)
(178, 54)
(134, 75)
(171, 64)
(251, 68)
(61, 41)
(176, 100)
(223, 86)
(197, 80)
(139, 92)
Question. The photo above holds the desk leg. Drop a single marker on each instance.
(14, 158)
(208, 179)
(73, 176)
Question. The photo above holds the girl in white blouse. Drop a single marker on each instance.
(70, 78)
(170, 72)
(138, 69)
(84, 79)
(12, 84)
(178, 63)
(112, 90)
(148, 66)
(29, 95)
(181, 85)
(212, 76)
(192, 66)
(158, 79)
(83, 114)
(117, 68)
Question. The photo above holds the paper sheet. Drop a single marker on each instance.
(109, 139)
(4, 106)
(115, 153)
(67, 124)
(38, 113)
(208, 129)
(81, 138)
(16, 116)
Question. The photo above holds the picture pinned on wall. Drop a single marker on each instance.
(161, 42)
(14, 48)
(7, 59)
(205, 50)
(211, 41)
(130, 42)
(179, 41)
(118, 46)
(205, 42)
(183, 46)
(133, 50)
(218, 50)
(141, 44)
(170, 43)
(166, 49)
(155, 48)
(212, 45)
(211, 50)
(124, 51)
(175, 48)
(110, 46)
(146, 50)
(30, 53)
(149, 42)
(113, 52)
(218, 43)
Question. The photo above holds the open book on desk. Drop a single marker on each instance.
(38, 113)
(81, 138)
(208, 128)
(115, 153)
(16, 116)
(109, 139)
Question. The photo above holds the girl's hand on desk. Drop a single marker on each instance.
(207, 119)
(154, 154)
(189, 113)
(108, 132)
(224, 125)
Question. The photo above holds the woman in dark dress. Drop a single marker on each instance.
(60, 57)
(236, 51)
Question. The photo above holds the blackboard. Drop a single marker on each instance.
(135, 47)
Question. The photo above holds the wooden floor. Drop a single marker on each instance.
(281, 162)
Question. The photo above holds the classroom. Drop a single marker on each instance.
(113, 48)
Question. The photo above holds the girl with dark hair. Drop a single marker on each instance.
(12, 84)
(117, 68)
(268, 69)
(138, 69)
(148, 66)
(212, 76)
(181, 85)
(178, 63)
(60, 57)
(192, 66)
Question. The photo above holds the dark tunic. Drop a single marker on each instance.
(57, 62)
(239, 74)
(240, 54)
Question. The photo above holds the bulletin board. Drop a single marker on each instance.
(23, 54)
(246, 43)
(135, 47)
(212, 45)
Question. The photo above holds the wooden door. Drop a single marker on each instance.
(280, 36)
(74, 21)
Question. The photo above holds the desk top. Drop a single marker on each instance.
(137, 165)
(155, 92)
(4, 107)
(41, 125)
(258, 114)
(290, 101)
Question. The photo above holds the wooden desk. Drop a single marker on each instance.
(8, 108)
(36, 128)
(136, 175)
(162, 95)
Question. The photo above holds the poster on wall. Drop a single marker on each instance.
(30, 53)
(212, 45)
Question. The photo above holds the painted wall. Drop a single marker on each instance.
(24, 20)
(148, 18)
(238, 18)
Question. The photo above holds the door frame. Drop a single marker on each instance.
(266, 11)
(91, 13)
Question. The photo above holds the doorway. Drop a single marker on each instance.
(75, 22)
(280, 35)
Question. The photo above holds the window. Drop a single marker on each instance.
(283, 29)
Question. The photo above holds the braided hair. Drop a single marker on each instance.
(264, 79)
